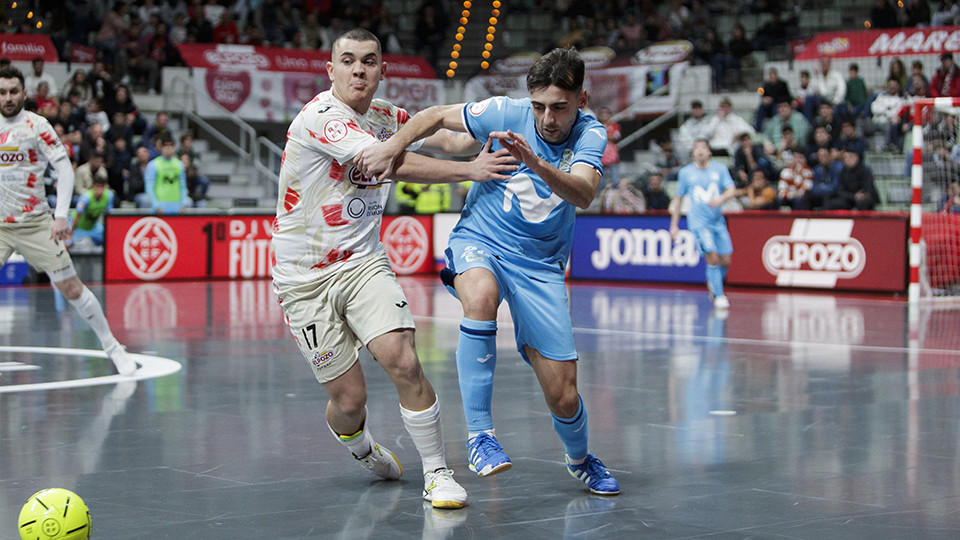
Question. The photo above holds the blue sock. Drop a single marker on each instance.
(724, 270)
(573, 432)
(476, 360)
(715, 277)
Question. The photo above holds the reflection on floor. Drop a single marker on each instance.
(795, 415)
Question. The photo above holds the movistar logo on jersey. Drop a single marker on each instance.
(705, 195)
(533, 208)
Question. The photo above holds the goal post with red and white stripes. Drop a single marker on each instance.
(934, 248)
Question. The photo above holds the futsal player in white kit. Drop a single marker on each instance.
(27, 144)
(332, 275)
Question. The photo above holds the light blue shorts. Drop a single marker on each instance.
(537, 298)
(714, 238)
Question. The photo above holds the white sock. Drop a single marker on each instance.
(424, 429)
(89, 308)
(491, 432)
(359, 443)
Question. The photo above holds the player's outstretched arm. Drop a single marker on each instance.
(578, 187)
(413, 167)
(377, 160)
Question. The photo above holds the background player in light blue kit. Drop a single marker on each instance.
(512, 242)
(709, 185)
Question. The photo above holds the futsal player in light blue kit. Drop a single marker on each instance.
(512, 243)
(709, 185)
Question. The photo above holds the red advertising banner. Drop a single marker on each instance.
(151, 248)
(26, 47)
(813, 250)
(82, 54)
(888, 42)
(249, 58)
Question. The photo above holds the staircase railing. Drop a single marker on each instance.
(253, 152)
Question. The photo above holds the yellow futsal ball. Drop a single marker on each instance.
(54, 514)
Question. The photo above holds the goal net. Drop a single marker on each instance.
(935, 201)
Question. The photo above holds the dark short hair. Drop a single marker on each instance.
(946, 56)
(562, 68)
(99, 181)
(166, 138)
(696, 104)
(10, 72)
(854, 67)
(359, 34)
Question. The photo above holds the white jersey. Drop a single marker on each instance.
(27, 144)
(328, 214)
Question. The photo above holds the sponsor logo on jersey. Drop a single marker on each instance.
(150, 248)
(358, 179)
(407, 244)
(644, 247)
(534, 208)
(816, 253)
(321, 359)
(9, 158)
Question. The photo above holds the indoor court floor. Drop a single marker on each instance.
(800, 415)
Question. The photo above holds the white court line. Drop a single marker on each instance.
(148, 367)
(695, 337)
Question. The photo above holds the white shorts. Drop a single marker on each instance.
(32, 240)
(333, 318)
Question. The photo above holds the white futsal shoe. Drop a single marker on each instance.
(442, 490)
(381, 462)
(721, 302)
(124, 363)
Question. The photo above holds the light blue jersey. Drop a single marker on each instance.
(702, 185)
(523, 216)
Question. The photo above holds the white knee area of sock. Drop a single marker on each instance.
(86, 302)
(424, 428)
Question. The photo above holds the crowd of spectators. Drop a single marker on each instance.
(830, 108)
(112, 145)
(137, 38)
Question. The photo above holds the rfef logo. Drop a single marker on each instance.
(150, 248)
(816, 253)
(407, 244)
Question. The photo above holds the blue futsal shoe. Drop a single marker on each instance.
(486, 455)
(593, 473)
